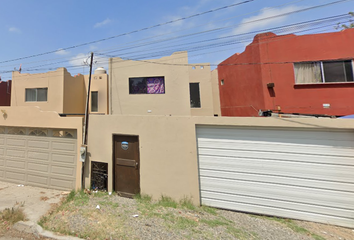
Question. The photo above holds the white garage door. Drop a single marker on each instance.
(300, 174)
(38, 157)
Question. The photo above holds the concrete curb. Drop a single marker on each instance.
(35, 229)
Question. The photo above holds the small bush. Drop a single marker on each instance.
(13, 215)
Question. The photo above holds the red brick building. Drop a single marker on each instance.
(308, 74)
(5, 93)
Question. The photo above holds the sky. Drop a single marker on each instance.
(42, 35)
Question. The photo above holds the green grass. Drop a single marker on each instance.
(187, 203)
(167, 202)
(215, 222)
(209, 210)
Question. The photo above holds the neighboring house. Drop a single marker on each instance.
(60, 92)
(5, 93)
(166, 86)
(308, 74)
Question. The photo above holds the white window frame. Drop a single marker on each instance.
(36, 95)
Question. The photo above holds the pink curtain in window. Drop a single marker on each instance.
(155, 85)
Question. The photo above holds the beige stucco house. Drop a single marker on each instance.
(156, 133)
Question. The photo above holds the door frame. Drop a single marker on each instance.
(113, 158)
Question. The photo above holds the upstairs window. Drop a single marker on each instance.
(324, 72)
(147, 85)
(194, 95)
(94, 101)
(36, 94)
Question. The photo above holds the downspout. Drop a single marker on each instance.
(83, 149)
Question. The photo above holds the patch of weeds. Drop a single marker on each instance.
(43, 220)
(239, 234)
(167, 202)
(187, 203)
(100, 194)
(108, 203)
(214, 223)
(293, 226)
(185, 223)
(71, 196)
(12, 215)
(143, 198)
(210, 210)
(80, 198)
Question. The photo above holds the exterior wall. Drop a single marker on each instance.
(99, 83)
(54, 81)
(74, 94)
(215, 90)
(272, 57)
(175, 101)
(35, 118)
(242, 92)
(168, 150)
(202, 75)
(5, 93)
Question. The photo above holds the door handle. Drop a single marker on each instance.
(136, 165)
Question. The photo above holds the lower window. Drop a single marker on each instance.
(194, 94)
(36, 94)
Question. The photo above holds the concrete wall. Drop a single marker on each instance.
(269, 59)
(54, 81)
(35, 118)
(175, 101)
(168, 149)
(215, 90)
(5, 93)
(74, 94)
(99, 83)
(200, 73)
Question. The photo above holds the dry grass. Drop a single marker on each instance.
(9, 217)
(43, 198)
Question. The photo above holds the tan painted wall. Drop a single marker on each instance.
(99, 82)
(74, 94)
(168, 150)
(174, 102)
(215, 90)
(200, 73)
(35, 118)
(54, 81)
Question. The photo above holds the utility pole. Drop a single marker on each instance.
(83, 148)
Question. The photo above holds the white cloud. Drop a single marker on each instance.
(100, 24)
(14, 29)
(62, 52)
(255, 22)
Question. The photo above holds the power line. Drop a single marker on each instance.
(135, 31)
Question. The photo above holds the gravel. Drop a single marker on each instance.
(123, 218)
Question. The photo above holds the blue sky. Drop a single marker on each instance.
(33, 27)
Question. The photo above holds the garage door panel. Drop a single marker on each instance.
(2, 161)
(36, 155)
(294, 206)
(283, 172)
(63, 146)
(15, 153)
(62, 183)
(15, 142)
(301, 182)
(15, 176)
(44, 144)
(2, 140)
(15, 163)
(2, 151)
(37, 179)
(38, 166)
(321, 136)
(311, 196)
(62, 158)
(279, 148)
(2, 174)
(325, 172)
(63, 170)
(279, 212)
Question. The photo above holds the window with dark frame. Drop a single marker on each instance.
(194, 95)
(324, 72)
(94, 101)
(147, 85)
(36, 94)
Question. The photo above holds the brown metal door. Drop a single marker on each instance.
(126, 165)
